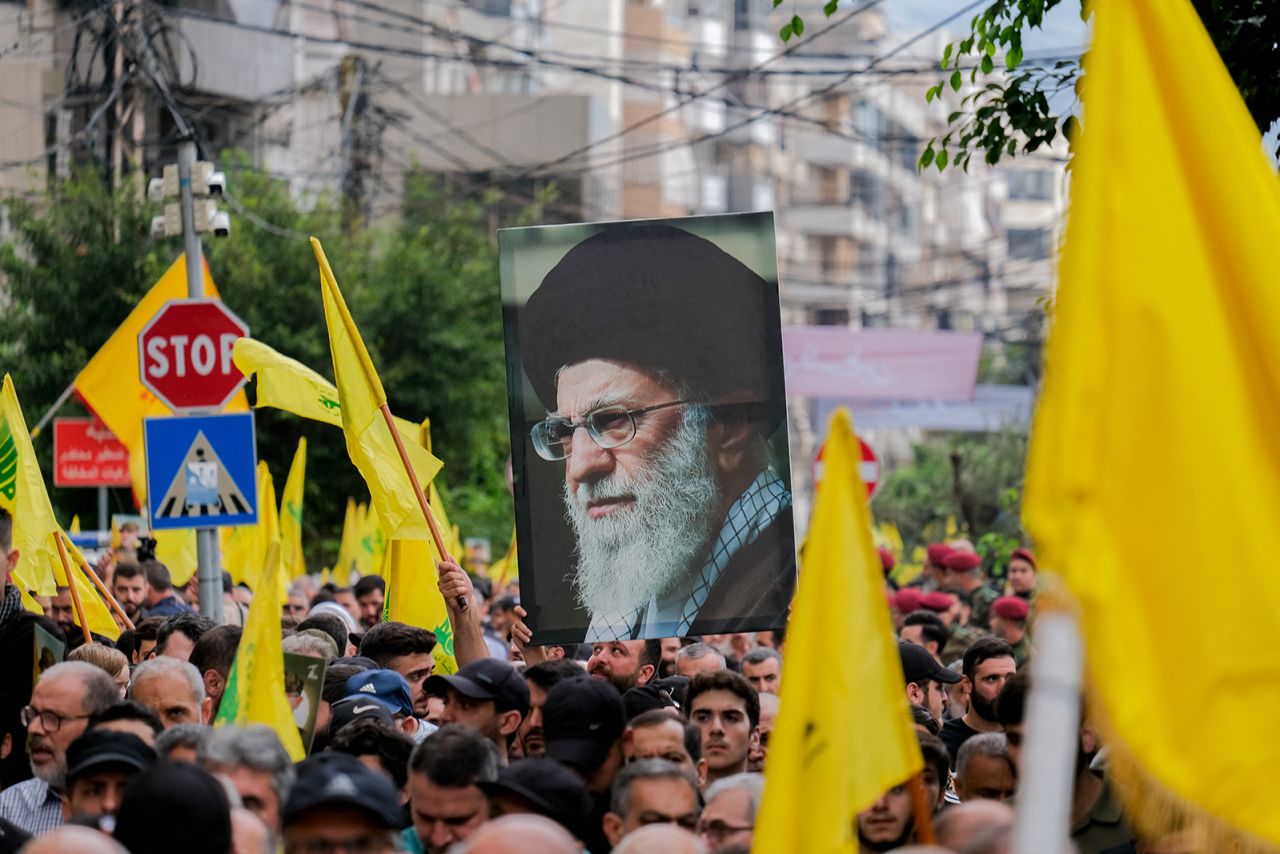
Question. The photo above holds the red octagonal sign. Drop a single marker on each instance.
(184, 354)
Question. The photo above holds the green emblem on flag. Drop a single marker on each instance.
(8, 461)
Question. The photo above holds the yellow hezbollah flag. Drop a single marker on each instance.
(96, 612)
(255, 687)
(176, 549)
(285, 383)
(1163, 348)
(372, 543)
(452, 542)
(295, 562)
(844, 735)
(110, 384)
(22, 493)
(347, 545)
(507, 568)
(414, 598)
(369, 440)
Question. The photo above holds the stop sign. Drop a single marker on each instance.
(184, 354)
(868, 467)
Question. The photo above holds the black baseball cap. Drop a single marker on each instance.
(550, 789)
(174, 804)
(581, 721)
(100, 750)
(337, 779)
(918, 665)
(486, 679)
(358, 707)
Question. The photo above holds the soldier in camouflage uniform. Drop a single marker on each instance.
(1009, 623)
(964, 575)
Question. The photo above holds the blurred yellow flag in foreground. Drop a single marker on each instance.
(1158, 426)
(844, 735)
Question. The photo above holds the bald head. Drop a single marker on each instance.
(74, 840)
(660, 839)
(536, 834)
(962, 826)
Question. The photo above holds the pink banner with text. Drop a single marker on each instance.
(880, 364)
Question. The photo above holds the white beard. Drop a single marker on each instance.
(631, 555)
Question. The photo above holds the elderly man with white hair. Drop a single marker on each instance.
(729, 817)
(64, 699)
(173, 689)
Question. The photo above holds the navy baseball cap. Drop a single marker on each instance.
(486, 679)
(99, 750)
(385, 686)
(336, 779)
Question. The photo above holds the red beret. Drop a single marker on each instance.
(937, 552)
(938, 601)
(962, 561)
(1025, 554)
(886, 558)
(1010, 608)
(908, 600)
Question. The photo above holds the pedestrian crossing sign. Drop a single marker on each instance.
(200, 471)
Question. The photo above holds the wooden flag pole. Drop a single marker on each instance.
(922, 809)
(106, 594)
(422, 498)
(71, 585)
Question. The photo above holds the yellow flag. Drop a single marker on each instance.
(372, 543)
(844, 735)
(176, 549)
(74, 527)
(507, 568)
(1157, 426)
(24, 590)
(369, 440)
(255, 688)
(285, 383)
(295, 562)
(22, 493)
(96, 612)
(414, 598)
(110, 384)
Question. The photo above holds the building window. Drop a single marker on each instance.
(1034, 185)
(1029, 244)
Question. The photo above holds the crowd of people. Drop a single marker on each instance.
(628, 746)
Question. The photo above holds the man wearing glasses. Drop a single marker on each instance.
(61, 704)
(658, 357)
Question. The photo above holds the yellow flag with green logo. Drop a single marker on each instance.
(1157, 426)
(844, 735)
(255, 687)
(414, 598)
(369, 440)
(346, 561)
(295, 562)
(23, 494)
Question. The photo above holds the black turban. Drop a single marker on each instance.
(657, 297)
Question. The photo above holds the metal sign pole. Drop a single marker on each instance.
(208, 560)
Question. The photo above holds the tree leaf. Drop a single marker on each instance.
(951, 119)
(941, 160)
(926, 157)
(956, 80)
(785, 32)
(987, 65)
(777, 3)
(830, 8)
(797, 25)
(946, 55)
(1013, 58)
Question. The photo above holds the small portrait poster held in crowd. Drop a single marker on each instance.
(648, 427)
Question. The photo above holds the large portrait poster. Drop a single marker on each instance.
(648, 427)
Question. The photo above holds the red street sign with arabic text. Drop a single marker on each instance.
(86, 453)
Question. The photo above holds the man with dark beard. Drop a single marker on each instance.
(987, 665)
(625, 664)
(645, 345)
(888, 823)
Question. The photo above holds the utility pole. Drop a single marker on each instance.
(208, 559)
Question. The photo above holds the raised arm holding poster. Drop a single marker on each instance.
(648, 424)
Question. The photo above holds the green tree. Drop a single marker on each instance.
(1010, 109)
(977, 478)
(424, 292)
